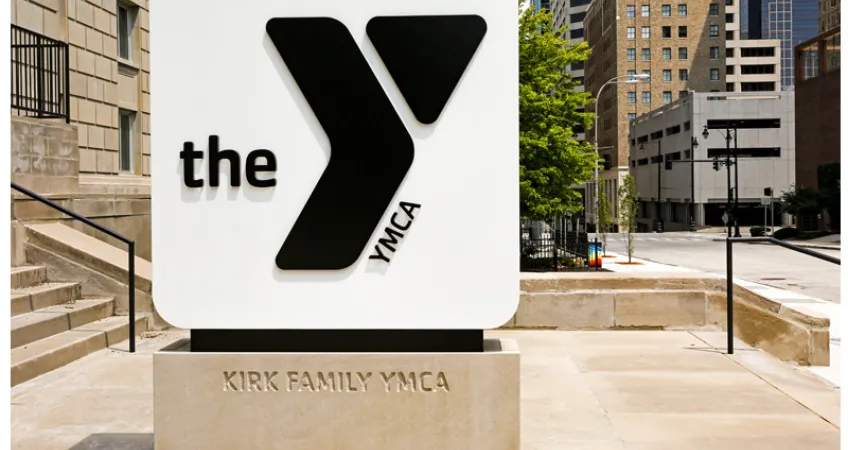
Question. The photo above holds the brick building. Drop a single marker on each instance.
(680, 44)
(817, 134)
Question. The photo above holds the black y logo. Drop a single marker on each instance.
(371, 150)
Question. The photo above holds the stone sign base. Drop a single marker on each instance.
(338, 400)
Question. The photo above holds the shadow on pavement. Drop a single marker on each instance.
(116, 441)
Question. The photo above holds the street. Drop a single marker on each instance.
(759, 263)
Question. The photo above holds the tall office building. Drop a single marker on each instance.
(828, 15)
(752, 64)
(680, 44)
(790, 21)
(571, 13)
(541, 4)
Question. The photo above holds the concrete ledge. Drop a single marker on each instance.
(674, 300)
(335, 400)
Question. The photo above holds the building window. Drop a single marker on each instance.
(714, 75)
(631, 54)
(757, 69)
(632, 116)
(631, 74)
(730, 87)
(682, 32)
(647, 72)
(576, 34)
(126, 23)
(578, 65)
(730, 70)
(646, 97)
(667, 74)
(682, 53)
(666, 10)
(728, 35)
(714, 9)
(666, 32)
(757, 52)
(713, 52)
(631, 10)
(728, 18)
(646, 11)
(682, 10)
(683, 94)
(666, 54)
(646, 32)
(631, 33)
(577, 18)
(683, 74)
(127, 143)
(713, 31)
(728, 2)
(631, 98)
(646, 54)
(666, 97)
(728, 53)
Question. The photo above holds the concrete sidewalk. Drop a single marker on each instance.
(800, 302)
(599, 390)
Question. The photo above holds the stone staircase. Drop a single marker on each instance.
(53, 324)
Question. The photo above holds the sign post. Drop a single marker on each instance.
(312, 165)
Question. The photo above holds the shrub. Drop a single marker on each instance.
(786, 233)
(759, 231)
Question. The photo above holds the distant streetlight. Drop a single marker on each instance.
(625, 79)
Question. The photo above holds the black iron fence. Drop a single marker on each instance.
(554, 250)
(40, 75)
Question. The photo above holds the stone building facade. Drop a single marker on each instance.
(98, 162)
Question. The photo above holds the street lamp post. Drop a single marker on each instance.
(727, 162)
(691, 212)
(625, 79)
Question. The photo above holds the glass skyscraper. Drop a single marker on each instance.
(790, 21)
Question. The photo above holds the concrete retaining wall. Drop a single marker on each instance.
(605, 300)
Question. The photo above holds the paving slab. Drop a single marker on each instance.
(669, 390)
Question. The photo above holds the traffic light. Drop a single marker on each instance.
(715, 166)
(767, 192)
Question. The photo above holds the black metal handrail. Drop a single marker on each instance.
(130, 244)
(729, 282)
(40, 75)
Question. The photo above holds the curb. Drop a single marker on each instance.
(819, 247)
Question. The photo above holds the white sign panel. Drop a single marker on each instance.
(343, 164)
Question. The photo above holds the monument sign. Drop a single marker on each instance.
(335, 219)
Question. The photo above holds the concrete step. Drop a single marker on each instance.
(39, 357)
(33, 298)
(43, 323)
(25, 276)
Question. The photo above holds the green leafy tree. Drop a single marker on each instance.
(604, 215)
(628, 209)
(551, 162)
(802, 201)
